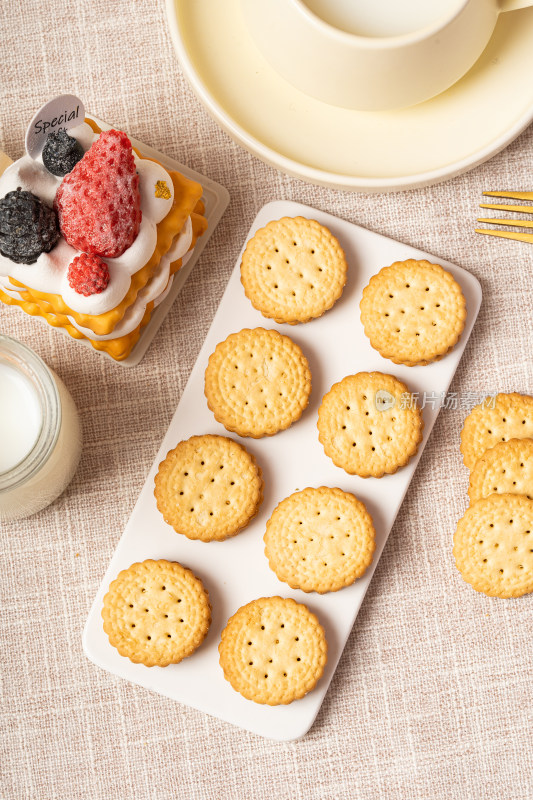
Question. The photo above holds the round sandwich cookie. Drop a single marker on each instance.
(257, 382)
(293, 270)
(319, 540)
(273, 651)
(413, 312)
(493, 545)
(496, 419)
(507, 468)
(369, 424)
(156, 613)
(208, 487)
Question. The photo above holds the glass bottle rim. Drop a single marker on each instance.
(25, 360)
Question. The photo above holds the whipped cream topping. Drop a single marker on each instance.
(156, 289)
(49, 273)
(158, 286)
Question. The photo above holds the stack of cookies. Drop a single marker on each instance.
(493, 543)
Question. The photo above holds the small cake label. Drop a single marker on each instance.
(65, 111)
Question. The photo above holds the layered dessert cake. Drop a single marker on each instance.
(92, 233)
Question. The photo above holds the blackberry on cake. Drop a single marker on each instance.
(28, 227)
(61, 153)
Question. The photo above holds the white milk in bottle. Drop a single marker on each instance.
(40, 441)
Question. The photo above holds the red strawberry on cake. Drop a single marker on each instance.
(98, 202)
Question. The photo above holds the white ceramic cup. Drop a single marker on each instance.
(373, 54)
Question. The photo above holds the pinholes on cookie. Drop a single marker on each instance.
(493, 545)
(293, 270)
(319, 540)
(156, 613)
(369, 424)
(496, 419)
(413, 312)
(257, 382)
(273, 650)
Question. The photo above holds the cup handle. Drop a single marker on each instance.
(514, 5)
(5, 161)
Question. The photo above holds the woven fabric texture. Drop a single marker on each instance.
(432, 696)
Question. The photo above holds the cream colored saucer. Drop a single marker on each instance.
(354, 150)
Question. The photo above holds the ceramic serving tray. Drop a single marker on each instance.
(236, 571)
(216, 199)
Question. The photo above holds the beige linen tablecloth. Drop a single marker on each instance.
(432, 697)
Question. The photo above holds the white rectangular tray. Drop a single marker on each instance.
(236, 571)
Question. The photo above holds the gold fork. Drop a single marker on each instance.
(519, 223)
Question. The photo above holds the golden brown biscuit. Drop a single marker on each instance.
(156, 613)
(257, 382)
(208, 487)
(319, 540)
(493, 545)
(293, 270)
(273, 651)
(507, 468)
(496, 419)
(413, 312)
(369, 424)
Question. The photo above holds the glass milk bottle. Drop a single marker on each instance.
(40, 439)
